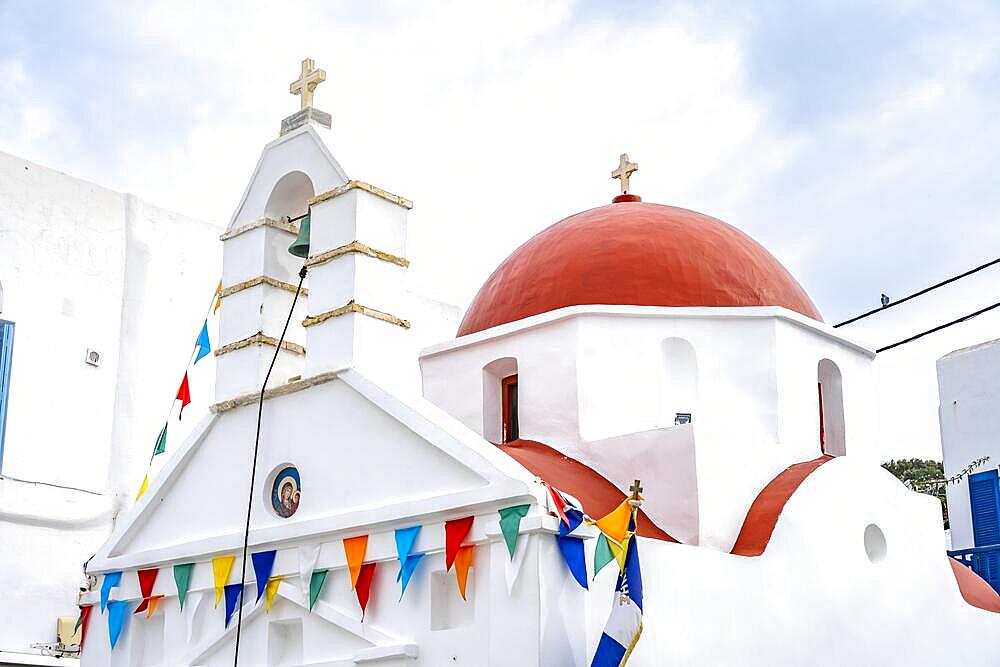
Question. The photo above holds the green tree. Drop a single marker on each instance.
(923, 476)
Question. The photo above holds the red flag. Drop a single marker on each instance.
(559, 502)
(183, 395)
(146, 580)
(84, 617)
(454, 532)
(364, 587)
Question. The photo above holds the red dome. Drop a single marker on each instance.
(636, 254)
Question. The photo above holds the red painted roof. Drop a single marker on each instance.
(633, 253)
(766, 508)
(598, 495)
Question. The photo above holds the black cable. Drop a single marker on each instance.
(253, 468)
(940, 327)
(920, 293)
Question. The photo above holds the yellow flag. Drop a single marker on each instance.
(620, 552)
(270, 590)
(615, 524)
(143, 487)
(354, 549)
(221, 567)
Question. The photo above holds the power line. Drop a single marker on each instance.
(939, 327)
(920, 293)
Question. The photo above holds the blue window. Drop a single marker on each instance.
(984, 499)
(6, 355)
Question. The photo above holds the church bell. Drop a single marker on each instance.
(300, 246)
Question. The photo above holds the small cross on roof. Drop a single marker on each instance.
(624, 170)
(305, 85)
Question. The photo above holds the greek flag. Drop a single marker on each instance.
(625, 623)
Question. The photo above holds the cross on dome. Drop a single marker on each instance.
(624, 170)
(305, 85)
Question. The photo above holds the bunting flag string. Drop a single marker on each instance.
(116, 620)
(183, 395)
(316, 582)
(271, 590)
(455, 532)
(82, 623)
(221, 568)
(510, 525)
(146, 580)
(182, 577)
(463, 561)
(233, 593)
(111, 579)
(354, 549)
(161, 441)
(364, 586)
(263, 563)
(203, 344)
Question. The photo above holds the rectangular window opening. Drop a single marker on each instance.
(508, 391)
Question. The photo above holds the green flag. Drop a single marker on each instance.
(316, 582)
(602, 554)
(161, 442)
(510, 524)
(182, 576)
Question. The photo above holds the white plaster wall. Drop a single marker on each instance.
(85, 267)
(969, 384)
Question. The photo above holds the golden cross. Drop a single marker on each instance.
(635, 489)
(309, 78)
(624, 170)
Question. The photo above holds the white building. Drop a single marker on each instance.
(969, 384)
(83, 270)
(629, 341)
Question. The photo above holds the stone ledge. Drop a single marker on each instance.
(280, 390)
(352, 307)
(260, 338)
(361, 185)
(361, 248)
(260, 280)
(280, 225)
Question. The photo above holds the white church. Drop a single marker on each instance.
(630, 341)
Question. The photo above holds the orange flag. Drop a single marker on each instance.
(183, 395)
(153, 601)
(218, 297)
(463, 561)
(354, 548)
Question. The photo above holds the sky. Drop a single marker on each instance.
(856, 141)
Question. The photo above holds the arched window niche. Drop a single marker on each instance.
(832, 438)
(290, 196)
(500, 414)
(678, 383)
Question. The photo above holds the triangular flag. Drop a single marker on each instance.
(195, 600)
(221, 567)
(232, 598)
(182, 577)
(454, 532)
(183, 395)
(512, 568)
(463, 561)
(316, 582)
(615, 524)
(270, 591)
(153, 601)
(161, 441)
(405, 537)
(510, 524)
(218, 298)
(406, 571)
(572, 552)
(116, 620)
(558, 503)
(143, 487)
(308, 555)
(111, 579)
(146, 580)
(263, 563)
(364, 587)
(620, 551)
(83, 621)
(602, 553)
(354, 548)
(204, 345)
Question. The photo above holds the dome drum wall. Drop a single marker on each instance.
(639, 254)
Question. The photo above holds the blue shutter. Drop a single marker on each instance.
(6, 355)
(984, 499)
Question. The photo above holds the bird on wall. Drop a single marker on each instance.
(885, 300)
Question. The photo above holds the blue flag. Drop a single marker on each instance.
(405, 572)
(232, 597)
(405, 537)
(263, 563)
(204, 346)
(111, 579)
(572, 551)
(621, 633)
(117, 613)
